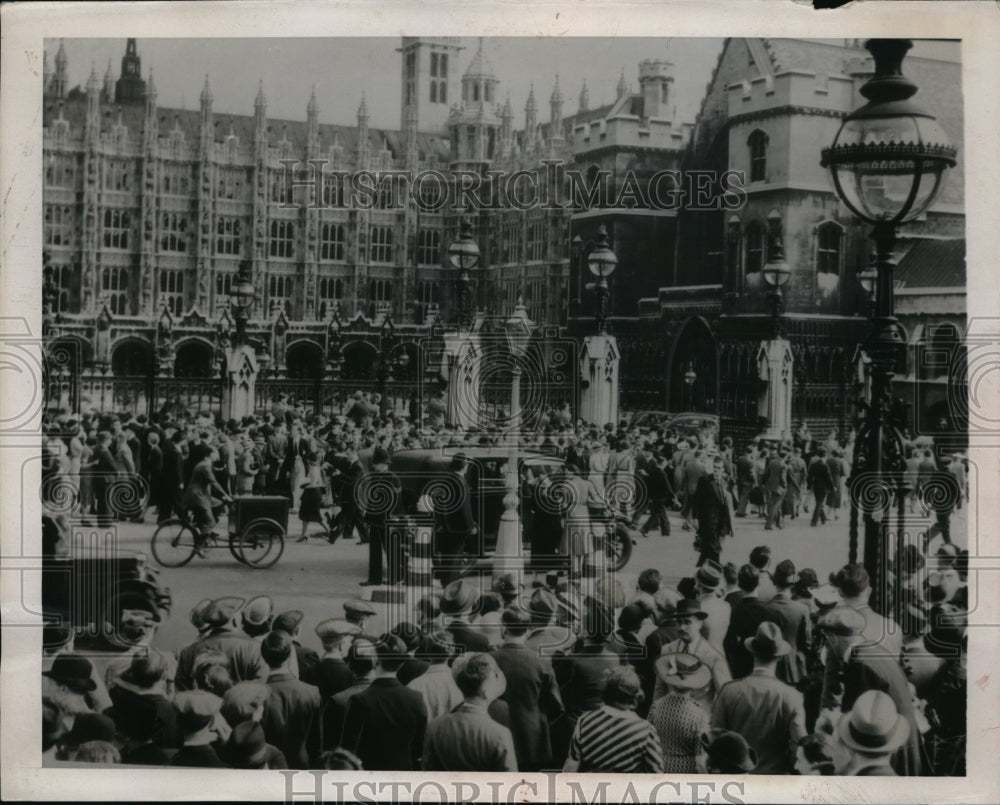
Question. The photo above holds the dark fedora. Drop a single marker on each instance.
(459, 598)
(689, 608)
(768, 642)
(729, 753)
(72, 672)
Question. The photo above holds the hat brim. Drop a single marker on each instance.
(694, 681)
(76, 684)
(780, 649)
(749, 763)
(895, 738)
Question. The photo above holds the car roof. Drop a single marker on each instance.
(477, 453)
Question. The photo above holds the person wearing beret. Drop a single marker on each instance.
(767, 712)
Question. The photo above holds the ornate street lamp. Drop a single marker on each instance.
(242, 295)
(517, 329)
(602, 263)
(689, 377)
(887, 164)
(464, 255)
(776, 275)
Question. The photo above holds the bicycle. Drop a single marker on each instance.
(255, 541)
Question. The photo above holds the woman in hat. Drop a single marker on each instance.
(613, 738)
(728, 753)
(678, 720)
(311, 502)
(577, 540)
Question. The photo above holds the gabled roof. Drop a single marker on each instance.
(932, 264)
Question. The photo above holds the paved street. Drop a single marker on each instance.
(317, 578)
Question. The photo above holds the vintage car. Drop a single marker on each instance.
(96, 593)
(427, 470)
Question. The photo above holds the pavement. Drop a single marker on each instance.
(318, 578)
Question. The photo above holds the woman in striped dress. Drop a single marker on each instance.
(613, 738)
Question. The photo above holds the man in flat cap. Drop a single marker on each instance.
(358, 612)
(257, 617)
(459, 600)
(196, 711)
(303, 658)
(331, 674)
(224, 636)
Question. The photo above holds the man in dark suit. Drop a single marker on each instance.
(381, 494)
(711, 506)
(820, 482)
(292, 711)
(775, 483)
(153, 468)
(103, 472)
(660, 495)
(795, 621)
(459, 599)
(385, 724)
(348, 473)
(305, 658)
(748, 613)
(746, 480)
(458, 526)
(361, 663)
(531, 694)
(332, 674)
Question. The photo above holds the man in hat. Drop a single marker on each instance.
(711, 506)
(87, 727)
(196, 711)
(871, 733)
(775, 482)
(819, 480)
(545, 638)
(869, 666)
(688, 618)
(331, 674)
(853, 583)
(381, 495)
(358, 612)
(459, 600)
(661, 495)
(385, 724)
(531, 692)
(435, 684)
(173, 473)
(73, 676)
(708, 582)
(197, 616)
(467, 738)
(257, 616)
(247, 748)
(795, 621)
(243, 652)
(303, 658)
(145, 677)
(747, 615)
(728, 753)
(244, 701)
(291, 717)
(766, 711)
(102, 471)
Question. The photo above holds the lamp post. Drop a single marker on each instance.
(464, 255)
(776, 275)
(602, 263)
(887, 164)
(689, 377)
(508, 559)
(242, 296)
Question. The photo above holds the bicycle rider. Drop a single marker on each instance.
(198, 500)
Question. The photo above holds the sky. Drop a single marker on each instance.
(342, 68)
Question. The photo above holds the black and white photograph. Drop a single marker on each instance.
(580, 408)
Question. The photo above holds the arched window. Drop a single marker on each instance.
(829, 247)
(754, 262)
(757, 142)
(172, 290)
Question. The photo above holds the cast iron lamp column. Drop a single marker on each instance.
(887, 163)
(508, 558)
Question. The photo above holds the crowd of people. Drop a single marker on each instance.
(740, 667)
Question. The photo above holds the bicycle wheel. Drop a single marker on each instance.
(260, 544)
(173, 543)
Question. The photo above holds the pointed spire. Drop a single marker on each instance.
(363, 108)
(622, 86)
(556, 93)
(584, 97)
(92, 83)
(61, 57)
(150, 86)
(206, 93)
(530, 105)
(260, 102)
(313, 107)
